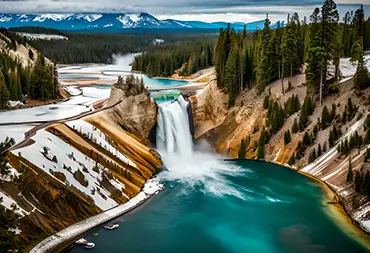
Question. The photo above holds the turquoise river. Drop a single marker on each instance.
(212, 205)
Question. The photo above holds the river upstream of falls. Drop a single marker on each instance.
(213, 205)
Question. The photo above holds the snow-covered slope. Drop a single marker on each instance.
(68, 161)
(113, 22)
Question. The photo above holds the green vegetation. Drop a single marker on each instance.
(187, 56)
(292, 106)
(17, 81)
(287, 137)
(349, 172)
(307, 109)
(4, 168)
(8, 219)
(99, 47)
(334, 134)
(362, 182)
(275, 117)
(266, 102)
(312, 156)
(41, 83)
(242, 149)
(295, 126)
(232, 50)
(37, 30)
(325, 118)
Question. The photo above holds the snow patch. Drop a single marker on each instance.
(97, 136)
(55, 17)
(90, 17)
(13, 173)
(8, 203)
(126, 21)
(73, 90)
(14, 103)
(16, 230)
(68, 161)
(5, 19)
(134, 17)
(347, 68)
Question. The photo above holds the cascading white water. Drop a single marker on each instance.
(173, 130)
(193, 169)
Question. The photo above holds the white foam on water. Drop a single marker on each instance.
(205, 171)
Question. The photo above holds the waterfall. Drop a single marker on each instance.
(173, 129)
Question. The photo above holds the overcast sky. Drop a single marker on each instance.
(204, 10)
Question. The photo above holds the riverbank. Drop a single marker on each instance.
(338, 211)
(68, 236)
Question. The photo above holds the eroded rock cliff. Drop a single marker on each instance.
(135, 111)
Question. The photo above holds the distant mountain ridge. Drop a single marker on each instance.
(115, 22)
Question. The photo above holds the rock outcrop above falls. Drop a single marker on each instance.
(136, 111)
(129, 118)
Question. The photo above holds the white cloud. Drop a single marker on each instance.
(202, 10)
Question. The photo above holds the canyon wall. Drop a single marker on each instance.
(225, 128)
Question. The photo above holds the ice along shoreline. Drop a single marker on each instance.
(69, 235)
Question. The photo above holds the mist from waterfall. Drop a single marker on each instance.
(196, 169)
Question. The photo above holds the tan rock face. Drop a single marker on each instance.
(209, 109)
(136, 112)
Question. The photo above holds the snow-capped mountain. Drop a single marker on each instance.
(111, 22)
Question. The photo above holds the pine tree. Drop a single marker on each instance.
(329, 31)
(350, 172)
(358, 181)
(289, 46)
(295, 126)
(319, 150)
(362, 79)
(333, 112)
(360, 26)
(220, 59)
(266, 102)
(325, 148)
(30, 54)
(307, 109)
(316, 62)
(231, 76)
(307, 139)
(242, 149)
(260, 152)
(264, 52)
(4, 93)
(287, 137)
(325, 118)
(291, 160)
(357, 50)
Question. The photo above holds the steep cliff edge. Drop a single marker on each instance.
(136, 111)
(209, 109)
(248, 119)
